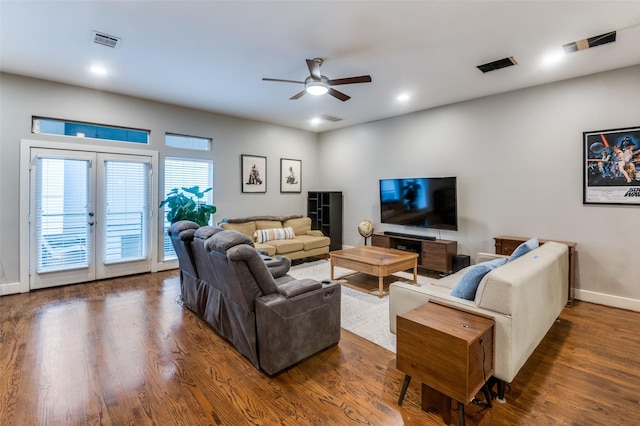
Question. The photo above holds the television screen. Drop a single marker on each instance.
(423, 202)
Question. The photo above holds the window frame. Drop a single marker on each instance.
(165, 242)
(36, 129)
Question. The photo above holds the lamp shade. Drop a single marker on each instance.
(317, 88)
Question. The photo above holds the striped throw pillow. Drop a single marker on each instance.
(264, 235)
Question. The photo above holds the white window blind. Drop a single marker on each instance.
(61, 212)
(181, 173)
(127, 189)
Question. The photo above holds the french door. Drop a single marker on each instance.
(89, 216)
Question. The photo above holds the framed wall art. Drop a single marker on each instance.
(611, 164)
(254, 173)
(290, 175)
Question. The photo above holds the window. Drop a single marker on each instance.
(187, 142)
(50, 126)
(179, 173)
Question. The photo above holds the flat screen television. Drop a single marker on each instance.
(421, 202)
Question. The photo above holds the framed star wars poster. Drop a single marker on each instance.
(611, 164)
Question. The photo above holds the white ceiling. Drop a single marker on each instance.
(212, 55)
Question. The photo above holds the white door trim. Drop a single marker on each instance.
(25, 159)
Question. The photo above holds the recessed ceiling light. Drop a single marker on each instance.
(96, 69)
(553, 58)
(315, 121)
(403, 97)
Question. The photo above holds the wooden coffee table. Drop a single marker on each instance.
(376, 261)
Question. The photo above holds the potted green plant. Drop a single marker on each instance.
(184, 207)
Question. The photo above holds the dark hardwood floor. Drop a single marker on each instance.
(125, 352)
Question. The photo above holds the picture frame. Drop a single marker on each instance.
(611, 166)
(253, 177)
(290, 175)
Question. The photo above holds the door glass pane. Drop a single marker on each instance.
(62, 229)
(127, 192)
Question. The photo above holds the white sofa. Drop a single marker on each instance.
(525, 297)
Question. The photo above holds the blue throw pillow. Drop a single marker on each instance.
(468, 284)
(524, 248)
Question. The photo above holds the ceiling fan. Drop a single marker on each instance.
(318, 84)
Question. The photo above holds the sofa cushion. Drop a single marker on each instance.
(183, 225)
(300, 225)
(468, 284)
(524, 248)
(224, 240)
(286, 246)
(252, 219)
(268, 249)
(268, 224)
(264, 235)
(205, 232)
(297, 287)
(311, 242)
(247, 228)
(450, 281)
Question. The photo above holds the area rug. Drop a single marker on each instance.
(363, 314)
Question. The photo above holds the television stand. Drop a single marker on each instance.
(417, 237)
(435, 255)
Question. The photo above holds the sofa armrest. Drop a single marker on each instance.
(278, 266)
(296, 287)
(315, 233)
(289, 330)
(485, 257)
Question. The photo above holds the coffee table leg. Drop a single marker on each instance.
(415, 272)
(332, 277)
(380, 287)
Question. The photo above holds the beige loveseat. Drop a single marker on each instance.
(525, 297)
(305, 242)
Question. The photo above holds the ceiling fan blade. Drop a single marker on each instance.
(351, 80)
(314, 69)
(339, 95)
(297, 95)
(282, 81)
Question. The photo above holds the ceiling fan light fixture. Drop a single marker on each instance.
(317, 88)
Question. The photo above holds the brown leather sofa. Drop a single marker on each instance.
(270, 317)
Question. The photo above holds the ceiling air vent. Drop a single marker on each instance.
(496, 65)
(328, 117)
(590, 42)
(105, 39)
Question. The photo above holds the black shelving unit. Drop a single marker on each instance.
(325, 210)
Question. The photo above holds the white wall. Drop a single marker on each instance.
(21, 98)
(518, 159)
(517, 156)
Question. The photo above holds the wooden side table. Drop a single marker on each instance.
(506, 245)
(450, 351)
